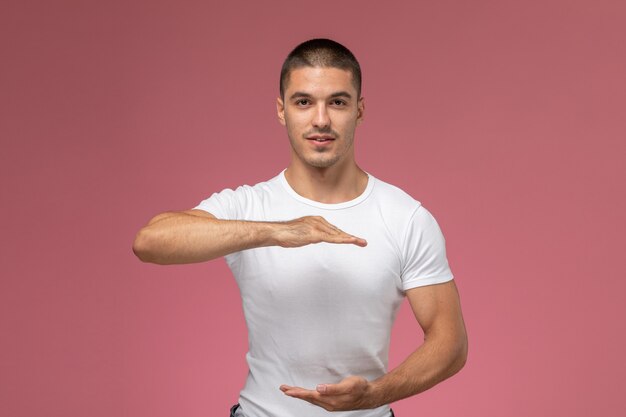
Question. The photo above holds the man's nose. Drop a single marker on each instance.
(322, 119)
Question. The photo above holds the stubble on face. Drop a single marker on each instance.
(320, 157)
(323, 158)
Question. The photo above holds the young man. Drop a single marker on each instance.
(323, 255)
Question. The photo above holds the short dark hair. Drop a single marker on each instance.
(321, 53)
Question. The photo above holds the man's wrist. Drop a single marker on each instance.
(374, 394)
(264, 234)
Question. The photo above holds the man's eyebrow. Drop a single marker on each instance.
(299, 94)
(341, 94)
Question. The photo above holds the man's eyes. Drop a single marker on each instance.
(307, 102)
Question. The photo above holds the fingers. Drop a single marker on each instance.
(329, 389)
(349, 394)
(311, 396)
(346, 386)
(322, 389)
(301, 393)
(356, 241)
(312, 229)
(336, 235)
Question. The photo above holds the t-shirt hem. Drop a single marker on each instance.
(422, 282)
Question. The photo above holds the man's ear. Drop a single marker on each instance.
(360, 110)
(280, 110)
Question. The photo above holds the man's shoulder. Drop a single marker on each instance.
(241, 202)
(395, 197)
(255, 188)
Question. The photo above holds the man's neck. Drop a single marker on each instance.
(335, 184)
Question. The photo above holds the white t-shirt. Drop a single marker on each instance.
(321, 312)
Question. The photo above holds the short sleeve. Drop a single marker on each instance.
(424, 252)
(222, 205)
(226, 205)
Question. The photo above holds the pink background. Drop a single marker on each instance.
(506, 119)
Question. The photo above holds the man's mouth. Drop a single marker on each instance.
(320, 138)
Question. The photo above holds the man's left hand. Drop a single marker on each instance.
(352, 393)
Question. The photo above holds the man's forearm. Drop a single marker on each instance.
(437, 359)
(181, 237)
(175, 238)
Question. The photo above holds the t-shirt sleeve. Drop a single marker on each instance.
(424, 252)
(226, 205)
(222, 205)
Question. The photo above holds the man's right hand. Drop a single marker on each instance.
(311, 229)
(197, 236)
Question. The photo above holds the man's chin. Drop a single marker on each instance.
(322, 163)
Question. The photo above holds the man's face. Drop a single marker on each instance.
(320, 110)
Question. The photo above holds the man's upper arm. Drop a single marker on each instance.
(192, 212)
(437, 308)
(198, 212)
